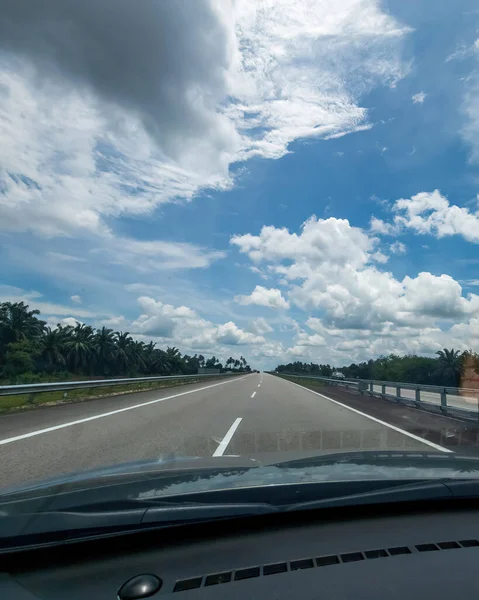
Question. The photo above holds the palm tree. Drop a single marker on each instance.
(122, 351)
(451, 365)
(104, 346)
(138, 355)
(149, 354)
(174, 358)
(80, 346)
(161, 363)
(18, 323)
(53, 348)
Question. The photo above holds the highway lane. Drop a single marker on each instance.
(247, 415)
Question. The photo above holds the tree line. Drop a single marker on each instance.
(446, 368)
(31, 351)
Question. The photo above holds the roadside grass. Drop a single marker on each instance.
(29, 401)
(309, 383)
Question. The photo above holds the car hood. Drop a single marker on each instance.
(172, 475)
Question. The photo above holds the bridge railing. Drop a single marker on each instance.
(131, 384)
(452, 401)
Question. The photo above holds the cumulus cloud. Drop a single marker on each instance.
(260, 325)
(380, 226)
(419, 98)
(262, 296)
(117, 322)
(53, 322)
(117, 129)
(37, 301)
(430, 213)
(398, 248)
(330, 240)
(230, 334)
(169, 77)
(183, 326)
(329, 267)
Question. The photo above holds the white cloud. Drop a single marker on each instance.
(331, 240)
(398, 248)
(470, 102)
(182, 326)
(116, 322)
(77, 299)
(65, 257)
(330, 270)
(380, 226)
(419, 98)
(464, 51)
(53, 322)
(229, 333)
(430, 213)
(262, 296)
(47, 309)
(379, 257)
(264, 77)
(260, 326)
(344, 346)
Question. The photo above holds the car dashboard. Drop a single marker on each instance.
(425, 552)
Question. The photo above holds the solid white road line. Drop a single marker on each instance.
(253, 394)
(227, 439)
(398, 429)
(112, 412)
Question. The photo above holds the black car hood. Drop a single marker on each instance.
(173, 475)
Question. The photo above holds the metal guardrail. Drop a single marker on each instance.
(445, 400)
(38, 388)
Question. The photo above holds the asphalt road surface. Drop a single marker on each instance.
(247, 415)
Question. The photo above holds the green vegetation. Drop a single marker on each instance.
(22, 401)
(444, 369)
(31, 352)
(309, 383)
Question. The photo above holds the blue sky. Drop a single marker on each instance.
(285, 180)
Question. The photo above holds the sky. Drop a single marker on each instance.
(279, 179)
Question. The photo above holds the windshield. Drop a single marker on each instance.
(235, 234)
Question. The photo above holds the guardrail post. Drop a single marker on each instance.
(398, 393)
(444, 401)
(371, 388)
(418, 397)
(383, 391)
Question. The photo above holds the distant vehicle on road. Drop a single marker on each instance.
(338, 375)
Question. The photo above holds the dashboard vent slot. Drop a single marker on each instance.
(319, 561)
(352, 557)
(188, 584)
(399, 550)
(274, 569)
(376, 553)
(469, 543)
(448, 545)
(306, 563)
(247, 573)
(218, 578)
(324, 561)
(427, 547)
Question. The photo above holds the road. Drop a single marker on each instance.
(245, 415)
